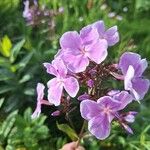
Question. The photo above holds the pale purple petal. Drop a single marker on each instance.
(97, 52)
(77, 63)
(99, 25)
(128, 78)
(127, 128)
(50, 69)
(71, 40)
(107, 101)
(40, 91)
(113, 92)
(59, 54)
(89, 109)
(112, 40)
(133, 59)
(60, 67)
(130, 117)
(54, 91)
(144, 65)
(99, 126)
(111, 31)
(124, 97)
(71, 86)
(37, 111)
(88, 34)
(84, 97)
(141, 86)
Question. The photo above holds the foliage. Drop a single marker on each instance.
(18, 132)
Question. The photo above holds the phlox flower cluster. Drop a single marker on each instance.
(36, 15)
(80, 71)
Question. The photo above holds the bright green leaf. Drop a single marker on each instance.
(1, 102)
(5, 46)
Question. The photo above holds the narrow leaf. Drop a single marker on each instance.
(68, 130)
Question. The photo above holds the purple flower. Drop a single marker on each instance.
(90, 83)
(77, 50)
(132, 67)
(40, 94)
(26, 13)
(111, 35)
(101, 113)
(62, 80)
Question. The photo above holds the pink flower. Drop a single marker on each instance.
(101, 113)
(133, 67)
(77, 50)
(62, 80)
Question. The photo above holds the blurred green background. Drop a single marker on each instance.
(23, 49)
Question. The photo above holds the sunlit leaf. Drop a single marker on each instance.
(5, 46)
(1, 102)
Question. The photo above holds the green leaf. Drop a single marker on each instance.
(25, 60)
(68, 130)
(6, 46)
(5, 89)
(16, 49)
(8, 124)
(25, 78)
(1, 102)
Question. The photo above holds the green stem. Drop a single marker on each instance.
(81, 134)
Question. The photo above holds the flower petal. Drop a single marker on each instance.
(71, 85)
(99, 126)
(88, 34)
(128, 78)
(40, 91)
(99, 25)
(133, 59)
(60, 67)
(71, 40)
(112, 40)
(54, 91)
(76, 63)
(141, 86)
(37, 111)
(111, 31)
(124, 97)
(50, 69)
(97, 52)
(89, 109)
(107, 101)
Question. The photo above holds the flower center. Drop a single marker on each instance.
(107, 110)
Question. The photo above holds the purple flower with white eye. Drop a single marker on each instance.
(111, 35)
(40, 95)
(62, 80)
(101, 113)
(77, 50)
(132, 67)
